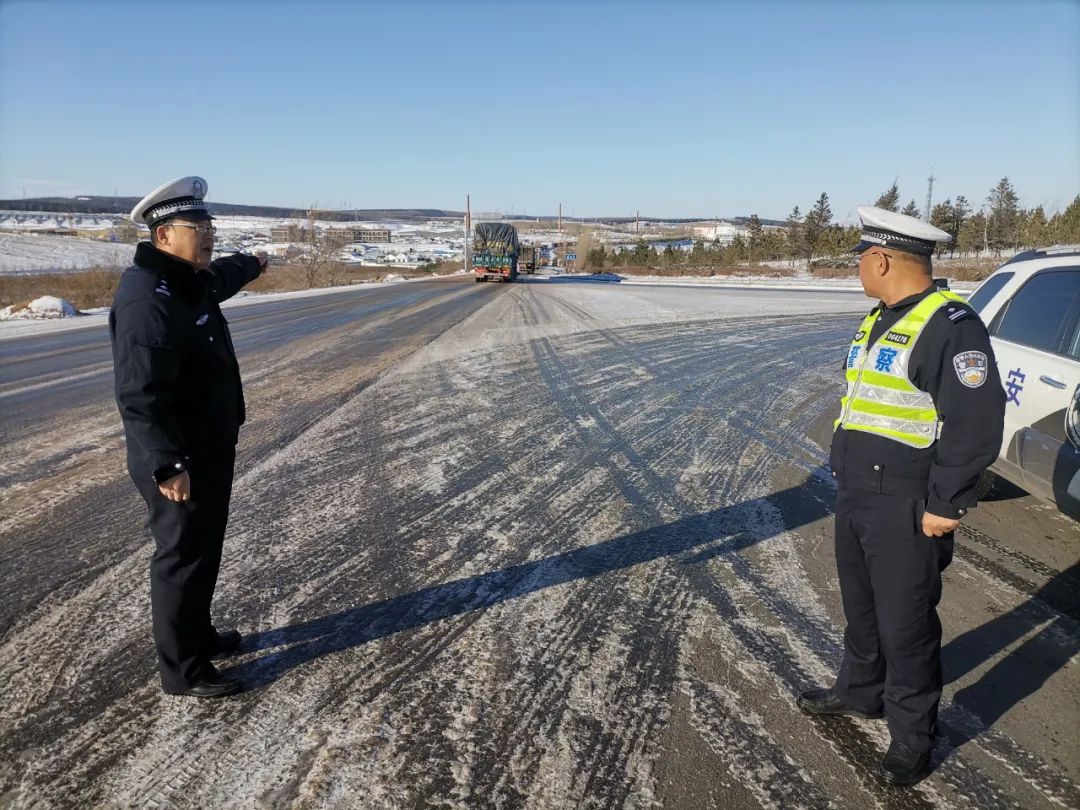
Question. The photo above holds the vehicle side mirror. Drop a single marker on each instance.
(1072, 419)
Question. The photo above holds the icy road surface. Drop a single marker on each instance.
(551, 544)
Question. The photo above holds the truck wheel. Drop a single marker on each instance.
(479, 279)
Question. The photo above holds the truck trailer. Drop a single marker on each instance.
(495, 251)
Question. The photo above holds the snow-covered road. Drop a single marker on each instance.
(534, 545)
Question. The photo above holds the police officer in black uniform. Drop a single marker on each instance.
(178, 389)
(922, 419)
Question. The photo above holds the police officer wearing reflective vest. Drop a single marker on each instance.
(921, 419)
(178, 389)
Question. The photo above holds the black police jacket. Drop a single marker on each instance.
(946, 473)
(177, 380)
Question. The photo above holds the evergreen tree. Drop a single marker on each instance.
(736, 250)
(699, 256)
(773, 244)
(794, 233)
(1035, 230)
(890, 199)
(943, 216)
(754, 233)
(1065, 226)
(1003, 227)
(836, 240)
(972, 236)
(911, 210)
(642, 255)
(961, 211)
(817, 221)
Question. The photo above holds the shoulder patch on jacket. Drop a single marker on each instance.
(971, 368)
(957, 314)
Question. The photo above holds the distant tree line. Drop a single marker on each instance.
(999, 226)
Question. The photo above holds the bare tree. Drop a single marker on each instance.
(586, 243)
(320, 261)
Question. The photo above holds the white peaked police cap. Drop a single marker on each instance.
(881, 228)
(182, 197)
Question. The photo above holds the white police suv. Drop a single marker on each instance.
(1031, 306)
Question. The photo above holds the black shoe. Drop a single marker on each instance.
(226, 643)
(212, 685)
(902, 766)
(825, 701)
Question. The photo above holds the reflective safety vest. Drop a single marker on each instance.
(880, 397)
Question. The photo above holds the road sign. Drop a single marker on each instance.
(570, 257)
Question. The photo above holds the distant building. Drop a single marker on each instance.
(287, 233)
(356, 234)
(722, 232)
(346, 234)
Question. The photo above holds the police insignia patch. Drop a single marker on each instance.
(971, 368)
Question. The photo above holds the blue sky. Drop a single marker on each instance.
(673, 109)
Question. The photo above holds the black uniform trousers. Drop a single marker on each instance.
(890, 584)
(188, 540)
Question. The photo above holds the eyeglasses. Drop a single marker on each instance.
(201, 230)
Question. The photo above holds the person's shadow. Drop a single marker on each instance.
(1055, 610)
(313, 639)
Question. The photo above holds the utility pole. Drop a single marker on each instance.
(468, 228)
(929, 192)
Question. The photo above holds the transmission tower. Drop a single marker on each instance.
(929, 193)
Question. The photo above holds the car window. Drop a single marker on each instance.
(1044, 314)
(988, 290)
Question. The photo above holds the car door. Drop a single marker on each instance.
(1036, 339)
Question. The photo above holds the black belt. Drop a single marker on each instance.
(875, 479)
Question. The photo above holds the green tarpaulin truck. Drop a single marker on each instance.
(495, 250)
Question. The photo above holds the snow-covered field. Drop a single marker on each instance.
(45, 253)
(32, 221)
(25, 249)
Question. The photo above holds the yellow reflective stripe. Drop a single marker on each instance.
(922, 415)
(868, 323)
(880, 379)
(925, 309)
